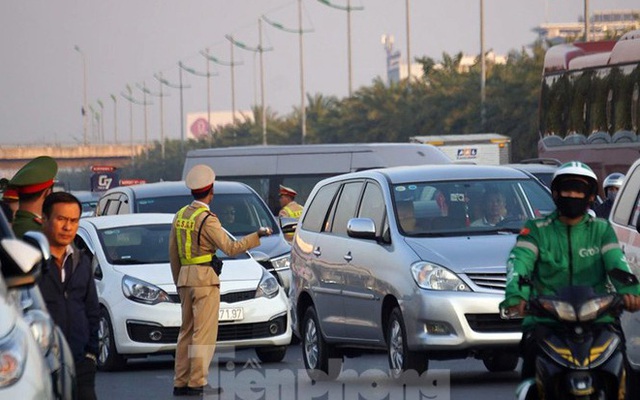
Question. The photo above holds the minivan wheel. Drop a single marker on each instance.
(320, 359)
(401, 359)
(501, 362)
(271, 354)
(108, 357)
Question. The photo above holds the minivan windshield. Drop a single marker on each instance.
(239, 213)
(464, 207)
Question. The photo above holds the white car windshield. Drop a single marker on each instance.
(141, 244)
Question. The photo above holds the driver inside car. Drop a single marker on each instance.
(494, 209)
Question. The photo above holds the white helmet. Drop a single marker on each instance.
(615, 179)
(576, 168)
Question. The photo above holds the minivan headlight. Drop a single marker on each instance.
(143, 292)
(13, 357)
(435, 277)
(41, 326)
(268, 286)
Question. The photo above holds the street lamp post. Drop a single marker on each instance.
(348, 9)
(179, 86)
(408, 41)
(231, 64)
(132, 101)
(300, 32)
(260, 50)
(115, 119)
(101, 131)
(144, 90)
(207, 75)
(483, 69)
(160, 95)
(85, 126)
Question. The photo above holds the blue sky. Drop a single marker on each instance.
(127, 42)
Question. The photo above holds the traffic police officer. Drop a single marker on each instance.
(290, 209)
(33, 182)
(196, 234)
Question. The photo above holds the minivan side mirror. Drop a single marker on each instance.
(288, 225)
(20, 262)
(362, 228)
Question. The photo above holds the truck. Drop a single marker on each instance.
(477, 148)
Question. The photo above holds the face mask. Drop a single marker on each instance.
(572, 207)
(611, 195)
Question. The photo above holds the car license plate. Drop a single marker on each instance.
(231, 314)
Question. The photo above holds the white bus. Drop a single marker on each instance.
(300, 167)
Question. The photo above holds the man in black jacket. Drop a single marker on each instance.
(68, 288)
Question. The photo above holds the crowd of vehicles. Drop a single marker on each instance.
(250, 213)
(140, 308)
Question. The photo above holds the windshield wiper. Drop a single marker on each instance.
(129, 261)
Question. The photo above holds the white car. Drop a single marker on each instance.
(140, 308)
(24, 372)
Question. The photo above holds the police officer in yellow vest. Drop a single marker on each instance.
(196, 234)
(290, 209)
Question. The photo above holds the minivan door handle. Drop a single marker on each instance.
(348, 256)
(317, 252)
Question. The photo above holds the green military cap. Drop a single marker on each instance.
(35, 175)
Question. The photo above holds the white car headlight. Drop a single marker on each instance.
(268, 286)
(13, 357)
(143, 292)
(41, 326)
(435, 277)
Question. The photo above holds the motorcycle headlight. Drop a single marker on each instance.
(41, 326)
(435, 277)
(143, 292)
(268, 286)
(591, 309)
(13, 357)
(562, 309)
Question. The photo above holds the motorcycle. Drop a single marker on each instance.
(577, 357)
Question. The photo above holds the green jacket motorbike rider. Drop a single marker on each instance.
(565, 248)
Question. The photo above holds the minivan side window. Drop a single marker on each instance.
(316, 213)
(346, 207)
(372, 206)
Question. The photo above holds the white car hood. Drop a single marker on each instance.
(463, 253)
(236, 275)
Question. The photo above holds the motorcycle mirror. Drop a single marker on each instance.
(624, 277)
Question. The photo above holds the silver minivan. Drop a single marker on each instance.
(407, 259)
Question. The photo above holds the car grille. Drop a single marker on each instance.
(252, 331)
(235, 297)
(226, 332)
(232, 297)
(490, 323)
(489, 280)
